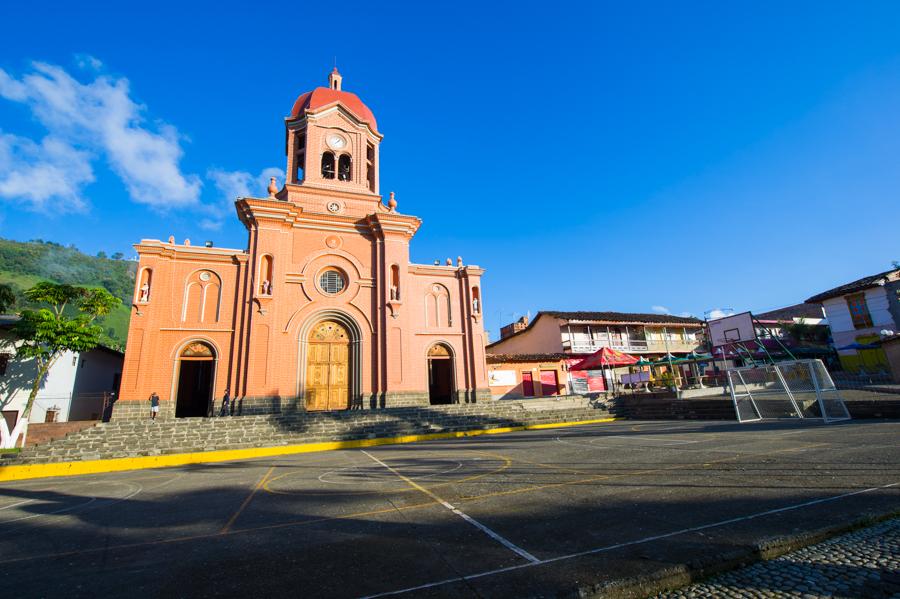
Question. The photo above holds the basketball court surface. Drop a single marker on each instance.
(531, 513)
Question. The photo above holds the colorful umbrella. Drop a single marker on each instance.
(604, 357)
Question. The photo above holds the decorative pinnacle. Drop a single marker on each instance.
(392, 203)
(273, 189)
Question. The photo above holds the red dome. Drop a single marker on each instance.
(323, 96)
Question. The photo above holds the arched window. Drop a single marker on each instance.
(299, 155)
(202, 297)
(370, 166)
(144, 285)
(344, 171)
(395, 282)
(266, 273)
(476, 300)
(437, 307)
(328, 165)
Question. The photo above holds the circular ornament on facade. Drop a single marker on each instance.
(332, 281)
(333, 242)
(336, 142)
(333, 206)
(436, 288)
(204, 276)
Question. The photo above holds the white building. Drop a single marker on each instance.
(859, 313)
(72, 390)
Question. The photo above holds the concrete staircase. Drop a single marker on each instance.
(131, 438)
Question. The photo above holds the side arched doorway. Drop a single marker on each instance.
(328, 367)
(441, 388)
(196, 377)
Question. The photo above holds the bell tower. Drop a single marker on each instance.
(332, 145)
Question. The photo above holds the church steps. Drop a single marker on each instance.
(140, 438)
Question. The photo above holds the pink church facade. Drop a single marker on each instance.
(323, 310)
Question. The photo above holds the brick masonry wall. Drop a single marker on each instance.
(43, 432)
(248, 406)
(640, 408)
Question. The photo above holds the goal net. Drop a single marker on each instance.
(793, 389)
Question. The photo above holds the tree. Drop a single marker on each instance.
(118, 256)
(7, 297)
(101, 254)
(47, 333)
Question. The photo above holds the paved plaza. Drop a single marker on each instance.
(524, 514)
(864, 563)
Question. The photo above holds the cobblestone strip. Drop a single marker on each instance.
(865, 563)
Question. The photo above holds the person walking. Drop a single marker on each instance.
(225, 400)
(154, 405)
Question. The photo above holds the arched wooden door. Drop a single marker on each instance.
(328, 367)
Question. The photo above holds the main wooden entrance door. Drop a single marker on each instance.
(328, 367)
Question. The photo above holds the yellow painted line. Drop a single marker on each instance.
(247, 501)
(28, 471)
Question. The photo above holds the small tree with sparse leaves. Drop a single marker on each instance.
(47, 333)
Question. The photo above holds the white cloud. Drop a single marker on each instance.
(47, 176)
(101, 116)
(720, 313)
(660, 309)
(86, 61)
(233, 185)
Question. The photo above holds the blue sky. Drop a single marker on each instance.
(632, 156)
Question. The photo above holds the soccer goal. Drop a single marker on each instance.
(792, 389)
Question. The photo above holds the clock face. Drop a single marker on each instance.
(336, 142)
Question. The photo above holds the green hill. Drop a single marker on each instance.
(22, 264)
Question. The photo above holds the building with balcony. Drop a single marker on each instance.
(583, 333)
(533, 359)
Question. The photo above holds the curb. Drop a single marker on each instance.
(678, 576)
(55, 469)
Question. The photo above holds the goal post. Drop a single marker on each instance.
(791, 389)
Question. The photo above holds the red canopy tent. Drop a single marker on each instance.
(604, 357)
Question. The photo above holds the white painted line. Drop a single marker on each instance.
(641, 438)
(629, 543)
(503, 541)
(6, 507)
(104, 501)
(327, 475)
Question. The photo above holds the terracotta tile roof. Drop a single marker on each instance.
(791, 312)
(624, 317)
(325, 96)
(858, 285)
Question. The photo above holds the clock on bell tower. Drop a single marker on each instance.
(332, 144)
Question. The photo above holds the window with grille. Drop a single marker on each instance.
(331, 281)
